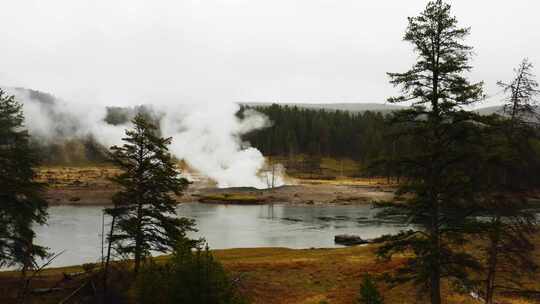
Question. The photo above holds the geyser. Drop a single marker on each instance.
(206, 136)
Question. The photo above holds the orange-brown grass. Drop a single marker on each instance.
(60, 177)
(279, 275)
(288, 276)
(330, 168)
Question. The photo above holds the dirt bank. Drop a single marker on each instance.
(303, 192)
(92, 186)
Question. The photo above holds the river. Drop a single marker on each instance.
(77, 230)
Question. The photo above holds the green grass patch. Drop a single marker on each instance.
(231, 198)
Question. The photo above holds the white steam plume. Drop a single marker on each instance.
(60, 120)
(206, 136)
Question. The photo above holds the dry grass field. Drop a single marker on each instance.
(61, 177)
(81, 185)
(288, 276)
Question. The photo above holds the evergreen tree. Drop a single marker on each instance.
(441, 184)
(369, 294)
(508, 228)
(21, 198)
(321, 133)
(144, 210)
(508, 223)
(521, 104)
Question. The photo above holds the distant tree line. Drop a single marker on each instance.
(329, 133)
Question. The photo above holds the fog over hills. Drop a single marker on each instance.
(351, 107)
(49, 99)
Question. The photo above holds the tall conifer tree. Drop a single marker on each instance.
(508, 222)
(439, 188)
(144, 210)
(22, 205)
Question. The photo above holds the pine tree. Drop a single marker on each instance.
(369, 294)
(521, 104)
(144, 210)
(508, 223)
(439, 193)
(21, 198)
(508, 228)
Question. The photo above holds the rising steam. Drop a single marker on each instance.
(206, 136)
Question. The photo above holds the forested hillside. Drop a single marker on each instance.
(318, 132)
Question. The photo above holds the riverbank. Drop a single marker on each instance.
(285, 276)
(277, 275)
(91, 185)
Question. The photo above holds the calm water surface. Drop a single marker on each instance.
(77, 230)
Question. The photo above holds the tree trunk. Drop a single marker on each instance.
(435, 291)
(108, 259)
(435, 275)
(137, 260)
(273, 175)
(138, 240)
(492, 263)
(21, 298)
(25, 281)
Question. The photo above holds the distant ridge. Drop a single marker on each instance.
(489, 110)
(351, 107)
(361, 107)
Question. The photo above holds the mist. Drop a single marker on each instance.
(56, 120)
(207, 136)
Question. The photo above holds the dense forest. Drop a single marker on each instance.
(356, 135)
(319, 132)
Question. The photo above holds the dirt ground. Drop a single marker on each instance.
(343, 192)
(92, 186)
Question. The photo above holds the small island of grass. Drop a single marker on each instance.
(232, 198)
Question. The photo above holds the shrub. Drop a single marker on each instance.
(368, 292)
(188, 277)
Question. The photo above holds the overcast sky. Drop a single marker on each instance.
(134, 51)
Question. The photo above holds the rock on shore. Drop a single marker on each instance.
(349, 240)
